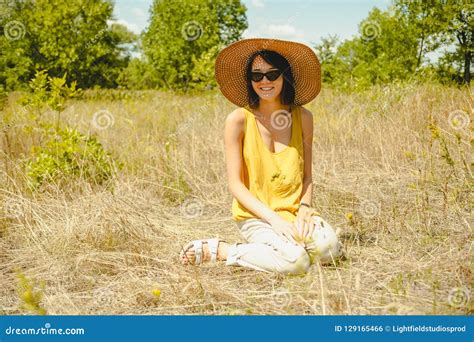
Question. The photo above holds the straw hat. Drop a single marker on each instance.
(232, 61)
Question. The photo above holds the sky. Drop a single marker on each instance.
(305, 21)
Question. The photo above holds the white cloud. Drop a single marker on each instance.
(139, 12)
(132, 27)
(278, 29)
(258, 3)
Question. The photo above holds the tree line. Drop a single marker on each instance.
(79, 40)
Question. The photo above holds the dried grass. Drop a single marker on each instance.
(99, 250)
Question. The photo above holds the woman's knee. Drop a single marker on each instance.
(299, 264)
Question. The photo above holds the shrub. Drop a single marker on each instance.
(66, 153)
(30, 295)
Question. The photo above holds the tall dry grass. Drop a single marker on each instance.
(399, 189)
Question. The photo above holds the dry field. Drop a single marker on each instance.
(392, 169)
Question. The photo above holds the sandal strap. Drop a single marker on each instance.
(198, 251)
(213, 244)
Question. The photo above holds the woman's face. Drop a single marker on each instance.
(265, 89)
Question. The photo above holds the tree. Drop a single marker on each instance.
(139, 74)
(184, 35)
(386, 50)
(423, 18)
(442, 23)
(327, 53)
(461, 26)
(394, 44)
(71, 38)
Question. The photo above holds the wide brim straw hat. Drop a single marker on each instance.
(231, 63)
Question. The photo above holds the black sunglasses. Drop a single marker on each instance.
(271, 75)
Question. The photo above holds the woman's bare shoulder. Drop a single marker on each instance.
(306, 117)
(236, 120)
(305, 112)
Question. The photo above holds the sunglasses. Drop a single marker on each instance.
(270, 75)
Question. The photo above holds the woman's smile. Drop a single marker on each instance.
(267, 91)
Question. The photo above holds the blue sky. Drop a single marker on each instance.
(305, 21)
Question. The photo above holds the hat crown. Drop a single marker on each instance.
(232, 60)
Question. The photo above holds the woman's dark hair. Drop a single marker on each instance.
(276, 60)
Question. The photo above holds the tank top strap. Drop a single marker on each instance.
(298, 128)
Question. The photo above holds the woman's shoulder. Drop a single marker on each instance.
(236, 119)
(304, 111)
(306, 116)
(306, 121)
(237, 115)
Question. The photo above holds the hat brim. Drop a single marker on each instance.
(232, 61)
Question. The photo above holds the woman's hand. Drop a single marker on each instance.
(304, 224)
(284, 228)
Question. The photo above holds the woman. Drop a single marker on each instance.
(268, 142)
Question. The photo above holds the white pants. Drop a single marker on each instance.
(267, 251)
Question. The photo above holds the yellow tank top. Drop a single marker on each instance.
(276, 179)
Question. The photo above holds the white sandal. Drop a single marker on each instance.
(324, 243)
(197, 245)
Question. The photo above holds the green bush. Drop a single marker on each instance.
(3, 97)
(67, 152)
(140, 74)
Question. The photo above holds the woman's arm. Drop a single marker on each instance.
(233, 138)
(304, 219)
(307, 126)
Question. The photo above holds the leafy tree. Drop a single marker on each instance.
(386, 50)
(61, 37)
(139, 74)
(425, 21)
(184, 35)
(394, 44)
(460, 28)
(327, 53)
(443, 23)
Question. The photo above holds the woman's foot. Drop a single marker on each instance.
(188, 253)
